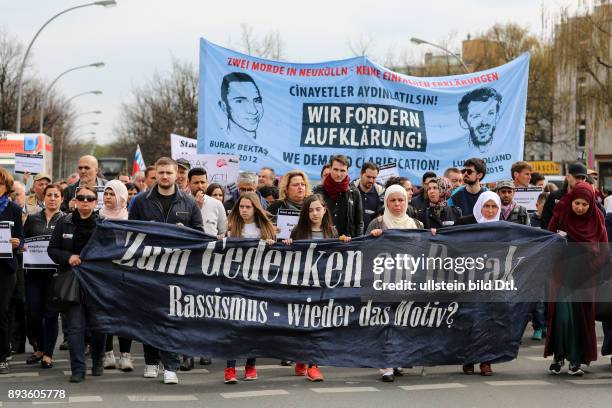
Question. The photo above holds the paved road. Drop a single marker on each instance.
(523, 382)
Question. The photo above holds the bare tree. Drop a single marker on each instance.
(271, 46)
(166, 104)
(361, 46)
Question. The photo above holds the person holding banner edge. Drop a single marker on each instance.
(41, 315)
(394, 217)
(314, 222)
(165, 203)
(248, 220)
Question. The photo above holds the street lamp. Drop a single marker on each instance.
(418, 41)
(93, 112)
(81, 94)
(48, 90)
(104, 3)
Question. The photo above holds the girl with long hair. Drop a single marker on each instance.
(248, 220)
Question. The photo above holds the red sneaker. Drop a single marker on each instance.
(230, 376)
(250, 373)
(300, 369)
(313, 374)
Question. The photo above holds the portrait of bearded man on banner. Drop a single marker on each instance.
(242, 104)
(479, 113)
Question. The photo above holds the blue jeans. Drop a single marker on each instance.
(42, 317)
(538, 319)
(76, 321)
(152, 356)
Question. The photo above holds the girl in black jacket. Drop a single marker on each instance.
(68, 240)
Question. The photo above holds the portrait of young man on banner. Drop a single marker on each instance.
(242, 104)
(479, 113)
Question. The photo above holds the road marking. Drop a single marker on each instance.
(598, 381)
(539, 346)
(439, 386)
(192, 371)
(27, 374)
(539, 358)
(344, 389)
(161, 398)
(246, 394)
(517, 382)
(72, 400)
(267, 367)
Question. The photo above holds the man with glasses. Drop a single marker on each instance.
(88, 176)
(575, 172)
(474, 170)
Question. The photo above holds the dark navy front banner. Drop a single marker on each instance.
(405, 298)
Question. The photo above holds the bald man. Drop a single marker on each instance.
(88, 176)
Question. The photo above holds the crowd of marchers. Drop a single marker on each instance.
(336, 208)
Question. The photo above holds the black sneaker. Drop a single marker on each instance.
(187, 364)
(286, 363)
(398, 372)
(97, 369)
(205, 361)
(575, 370)
(64, 345)
(4, 367)
(555, 368)
(78, 377)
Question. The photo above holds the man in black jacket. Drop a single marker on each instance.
(343, 199)
(165, 202)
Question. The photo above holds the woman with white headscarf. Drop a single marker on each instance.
(486, 209)
(394, 217)
(115, 208)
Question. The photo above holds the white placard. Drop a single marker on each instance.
(100, 191)
(6, 249)
(386, 172)
(181, 146)
(36, 256)
(285, 221)
(220, 168)
(32, 163)
(527, 197)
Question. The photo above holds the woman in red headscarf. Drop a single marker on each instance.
(571, 319)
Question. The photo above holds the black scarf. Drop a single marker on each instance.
(83, 230)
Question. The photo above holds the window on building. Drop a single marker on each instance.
(582, 133)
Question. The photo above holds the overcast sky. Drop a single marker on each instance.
(138, 37)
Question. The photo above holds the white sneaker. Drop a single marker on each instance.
(125, 362)
(170, 377)
(109, 360)
(151, 371)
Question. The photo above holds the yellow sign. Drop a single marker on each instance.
(545, 167)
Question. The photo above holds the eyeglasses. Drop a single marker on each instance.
(84, 168)
(86, 198)
(467, 171)
(246, 190)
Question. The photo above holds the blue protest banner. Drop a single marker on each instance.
(289, 116)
